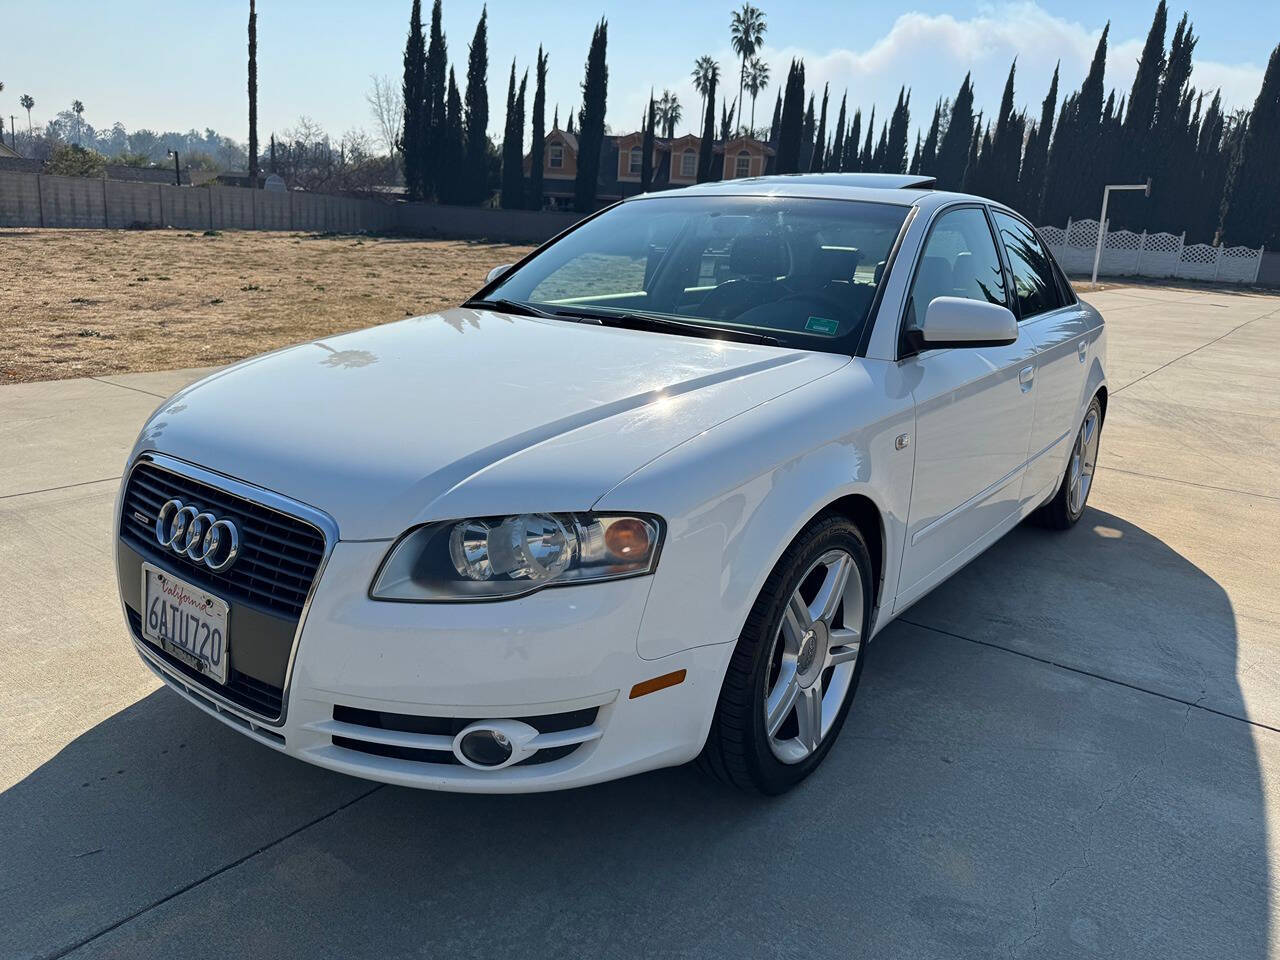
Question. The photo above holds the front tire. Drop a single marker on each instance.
(797, 664)
(1067, 505)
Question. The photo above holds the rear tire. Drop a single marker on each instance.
(797, 664)
(1067, 505)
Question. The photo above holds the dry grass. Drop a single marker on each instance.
(76, 303)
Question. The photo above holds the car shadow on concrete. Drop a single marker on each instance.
(980, 802)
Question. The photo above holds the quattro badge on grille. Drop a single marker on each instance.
(204, 538)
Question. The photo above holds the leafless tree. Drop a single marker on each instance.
(386, 103)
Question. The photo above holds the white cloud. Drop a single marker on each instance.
(930, 54)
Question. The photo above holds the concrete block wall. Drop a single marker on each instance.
(35, 200)
(19, 199)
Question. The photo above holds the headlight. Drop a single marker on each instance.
(493, 558)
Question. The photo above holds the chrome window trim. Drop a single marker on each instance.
(1010, 301)
(324, 524)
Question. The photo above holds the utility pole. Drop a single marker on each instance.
(1102, 220)
(177, 171)
(13, 134)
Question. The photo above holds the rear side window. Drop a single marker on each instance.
(959, 260)
(1034, 281)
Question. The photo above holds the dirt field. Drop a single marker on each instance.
(77, 303)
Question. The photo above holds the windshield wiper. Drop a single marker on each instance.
(519, 307)
(646, 321)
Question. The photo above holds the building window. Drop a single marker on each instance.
(688, 164)
(557, 157)
(742, 167)
(637, 160)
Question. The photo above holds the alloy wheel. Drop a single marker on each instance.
(1084, 457)
(813, 657)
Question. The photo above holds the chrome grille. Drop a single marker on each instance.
(279, 554)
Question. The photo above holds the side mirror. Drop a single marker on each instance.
(959, 322)
(497, 272)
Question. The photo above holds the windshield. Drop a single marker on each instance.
(802, 271)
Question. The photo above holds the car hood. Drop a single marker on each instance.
(465, 412)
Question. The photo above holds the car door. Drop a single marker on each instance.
(974, 410)
(1060, 328)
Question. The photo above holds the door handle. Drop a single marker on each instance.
(1083, 349)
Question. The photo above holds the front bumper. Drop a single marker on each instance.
(567, 653)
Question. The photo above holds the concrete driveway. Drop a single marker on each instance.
(1070, 749)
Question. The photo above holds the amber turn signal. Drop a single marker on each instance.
(657, 683)
(627, 538)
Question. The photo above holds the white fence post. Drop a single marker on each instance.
(1177, 257)
(1258, 268)
(1142, 244)
(1217, 260)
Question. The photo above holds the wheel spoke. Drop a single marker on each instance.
(827, 602)
(845, 644)
(795, 623)
(809, 717)
(782, 700)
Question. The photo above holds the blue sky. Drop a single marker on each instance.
(178, 65)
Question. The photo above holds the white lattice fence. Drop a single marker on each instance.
(1125, 253)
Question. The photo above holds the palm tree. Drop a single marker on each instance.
(669, 113)
(78, 108)
(757, 80)
(27, 101)
(746, 30)
(706, 73)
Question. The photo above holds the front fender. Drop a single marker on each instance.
(735, 496)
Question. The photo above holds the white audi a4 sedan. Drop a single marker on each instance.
(645, 499)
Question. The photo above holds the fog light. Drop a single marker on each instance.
(486, 748)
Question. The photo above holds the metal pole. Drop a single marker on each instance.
(1102, 221)
(1102, 226)
(177, 171)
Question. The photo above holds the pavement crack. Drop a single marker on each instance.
(1197, 704)
(85, 941)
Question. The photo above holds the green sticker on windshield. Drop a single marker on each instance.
(822, 325)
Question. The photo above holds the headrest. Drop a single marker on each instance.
(833, 263)
(758, 255)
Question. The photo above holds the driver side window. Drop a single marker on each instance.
(959, 260)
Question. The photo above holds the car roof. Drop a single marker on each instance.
(901, 188)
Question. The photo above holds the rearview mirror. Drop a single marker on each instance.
(960, 322)
(497, 272)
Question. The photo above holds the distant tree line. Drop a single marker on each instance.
(1215, 175)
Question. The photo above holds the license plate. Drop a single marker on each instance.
(186, 622)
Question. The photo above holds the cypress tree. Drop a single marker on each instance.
(434, 92)
(513, 144)
(806, 136)
(646, 145)
(1141, 114)
(1173, 157)
(896, 147)
(1073, 183)
(726, 118)
(1250, 208)
(253, 95)
(953, 151)
(538, 146)
(706, 149)
(777, 120)
(1212, 170)
(476, 108)
(453, 147)
(849, 162)
(880, 159)
(412, 144)
(929, 152)
(914, 169)
(816, 165)
(1036, 156)
(595, 93)
(968, 182)
(836, 156)
(1000, 174)
(791, 121)
(865, 162)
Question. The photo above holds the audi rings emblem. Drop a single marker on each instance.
(200, 535)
